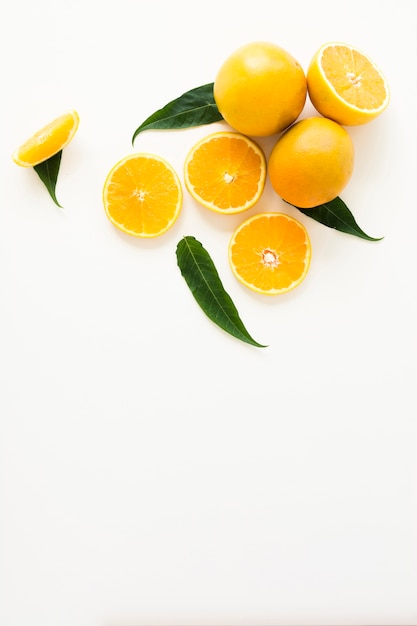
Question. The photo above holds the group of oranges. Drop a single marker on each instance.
(260, 91)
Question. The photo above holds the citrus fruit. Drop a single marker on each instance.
(270, 253)
(312, 162)
(48, 141)
(225, 172)
(345, 85)
(142, 195)
(260, 89)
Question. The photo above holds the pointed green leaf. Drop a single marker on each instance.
(335, 214)
(194, 108)
(202, 278)
(48, 173)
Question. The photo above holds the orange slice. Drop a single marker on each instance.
(225, 172)
(47, 141)
(345, 85)
(270, 253)
(142, 195)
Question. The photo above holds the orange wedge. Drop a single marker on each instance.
(345, 85)
(142, 195)
(225, 172)
(270, 253)
(47, 141)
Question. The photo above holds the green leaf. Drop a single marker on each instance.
(194, 108)
(335, 214)
(48, 173)
(202, 278)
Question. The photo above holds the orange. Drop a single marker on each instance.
(270, 253)
(225, 172)
(142, 195)
(260, 89)
(345, 85)
(48, 141)
(312, 162)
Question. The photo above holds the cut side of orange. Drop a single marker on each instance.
(270, 253)
(225, 172)
(142, 195)
(48, 141)
(346, 85)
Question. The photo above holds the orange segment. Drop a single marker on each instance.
(225, 172)
(48, 141)
(270, 253)
(142, 195)
(346, 85)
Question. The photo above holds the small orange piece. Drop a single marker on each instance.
(270, 253)
(345, 85)
(225, 172)
(142, 195)
(47, 141)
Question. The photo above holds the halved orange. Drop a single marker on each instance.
(346, 85)
(142, 195)
(270, 253)
(225, 172)
(48, 141)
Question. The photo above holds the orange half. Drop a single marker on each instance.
(48, 141)
(270, 253)
(142, 195)
(346, 85)
(225, 172)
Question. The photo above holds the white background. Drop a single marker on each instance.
(154, 470)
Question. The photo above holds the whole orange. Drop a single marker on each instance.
(260, 89)
(312, 162)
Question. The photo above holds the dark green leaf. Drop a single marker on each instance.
(335, 214)
(193, 108)
(48, 173)
(202, 278)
